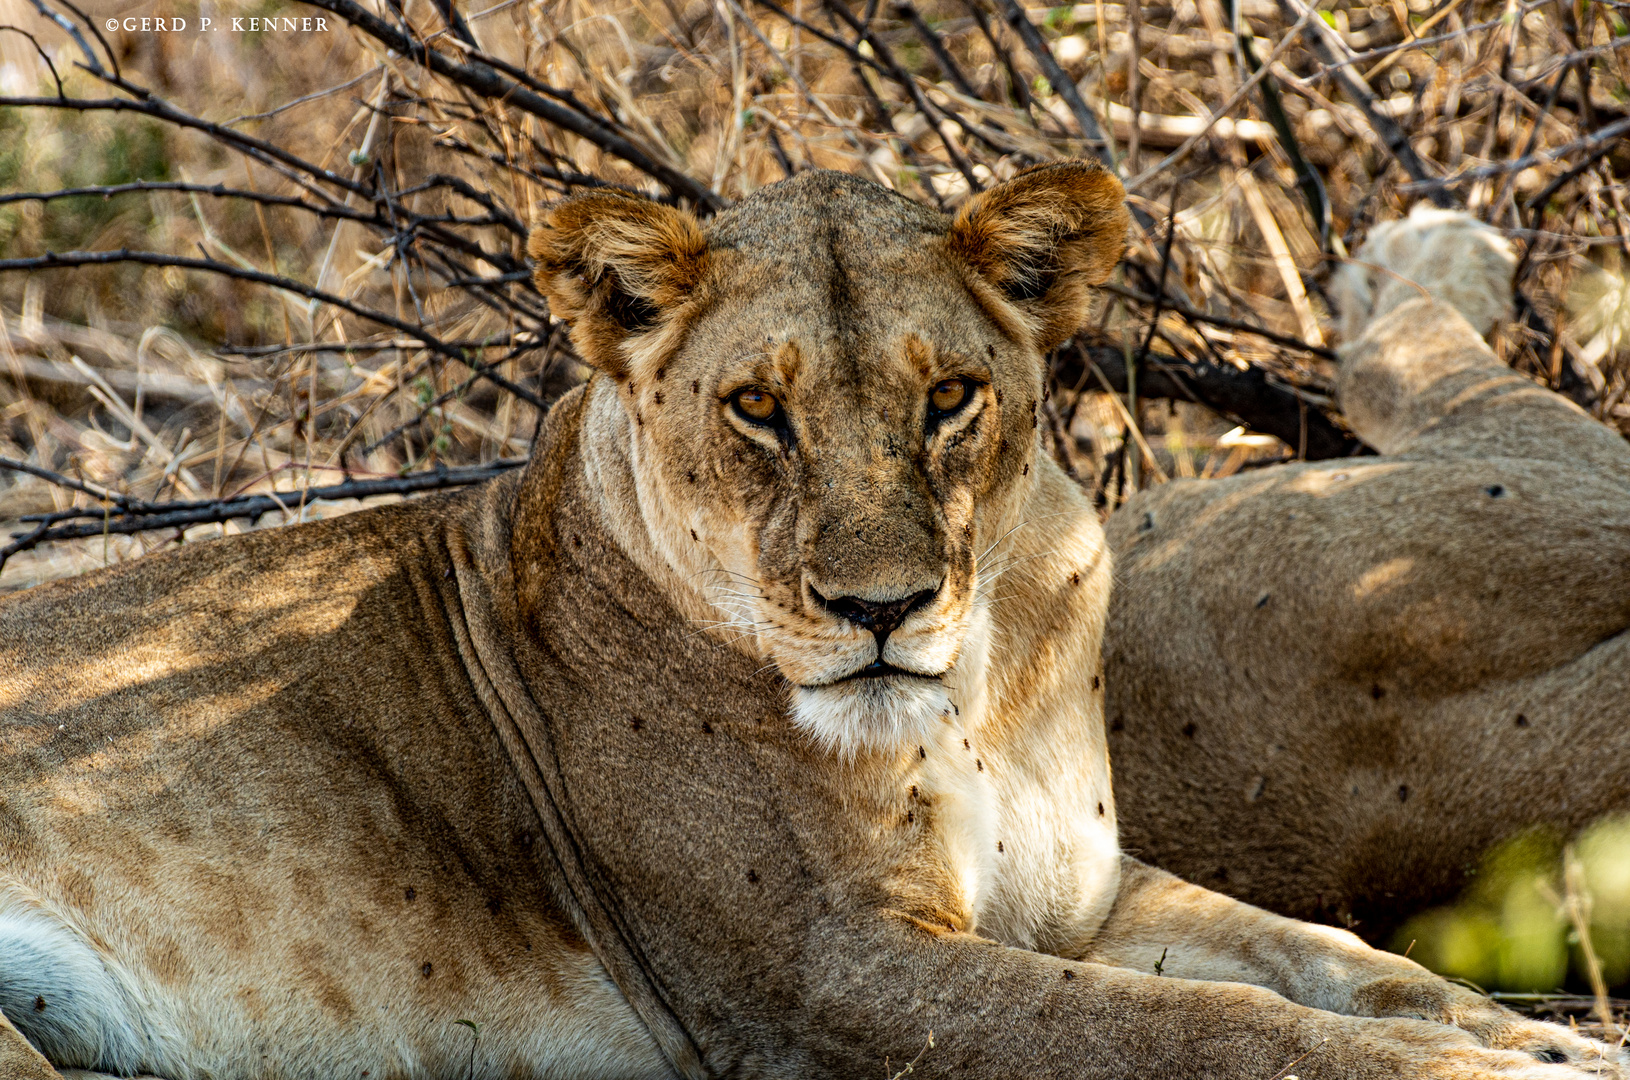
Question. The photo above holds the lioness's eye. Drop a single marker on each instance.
(948, 396)
(756, 405)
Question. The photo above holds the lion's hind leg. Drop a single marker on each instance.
(1417, 376)
(1446, 255)
(64, 998)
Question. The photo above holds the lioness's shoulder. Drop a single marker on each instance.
(220, 594)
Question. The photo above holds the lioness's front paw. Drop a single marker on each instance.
(1448, 253)
(1427, 997)
(1546, 1042)
(1401, 1049)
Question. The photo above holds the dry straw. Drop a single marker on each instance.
(276, 265)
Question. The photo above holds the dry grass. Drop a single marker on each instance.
(168, 382)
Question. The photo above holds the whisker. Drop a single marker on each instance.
(1020, 525)
(1014, 561)
(987, 580)
(740, 579)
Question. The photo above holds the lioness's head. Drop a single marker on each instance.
(832, 400)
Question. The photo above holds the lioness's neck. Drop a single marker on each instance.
(634, 515)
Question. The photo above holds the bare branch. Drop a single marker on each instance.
(1598, 143)
(906, 10)
(90, 24)
(264, 152)
(1216, 320)
(1249, 397)
(1337, 56)
(68, 482)
(43, 55)
(319, 95)
(483, 79)
(1062, 84)
(72, 31)
(904, 80)
(217, 190)
(54, 260)
(147, 517)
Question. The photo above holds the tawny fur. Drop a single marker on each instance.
(530, 755)
(1334, 686)
(19, 1060)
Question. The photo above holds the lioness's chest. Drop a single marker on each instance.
(1027, 836)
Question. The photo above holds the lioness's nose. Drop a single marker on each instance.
(881, 617)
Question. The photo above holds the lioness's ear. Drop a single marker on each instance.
(1042, 238)
(612, 265)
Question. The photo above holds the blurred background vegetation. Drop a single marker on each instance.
(276, 262)
(1540, 915)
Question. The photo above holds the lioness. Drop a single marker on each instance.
(721, 742)
(1334, 685)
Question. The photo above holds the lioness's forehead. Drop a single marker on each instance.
(822, 209)
(835, 260)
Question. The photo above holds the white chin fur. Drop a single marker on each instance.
(871, 714)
